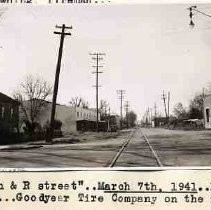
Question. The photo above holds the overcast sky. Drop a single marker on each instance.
(149, 48)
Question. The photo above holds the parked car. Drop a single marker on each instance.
(193, 123)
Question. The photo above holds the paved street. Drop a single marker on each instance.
(172, 147)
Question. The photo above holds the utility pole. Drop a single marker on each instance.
(127, 105)
(168, 103)
(97, 57)
(148, 116)
(56, 82)
(151, 117)
(109, 116)
(164, 101)
(121, 93)
(155, 108)
(194, 8)
(203, 98)
(155, 115)
(191, 15)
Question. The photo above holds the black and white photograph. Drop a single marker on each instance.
(121, 85)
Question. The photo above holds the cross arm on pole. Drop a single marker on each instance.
(55, 32)
(66, 27)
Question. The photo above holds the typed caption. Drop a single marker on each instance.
(132, 189)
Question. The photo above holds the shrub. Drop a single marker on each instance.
(7, 135)
(57, 125)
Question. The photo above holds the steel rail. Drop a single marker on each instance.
(152, 150)
(125, 143)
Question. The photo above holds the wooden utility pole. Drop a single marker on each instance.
(121, 93)
(148, 116)
(168, 103)
(203, 113)
(56, 83)
(127, 106)
(155, 108)
(109, 116)
(164, 101)
(97, 57)
(151, 117)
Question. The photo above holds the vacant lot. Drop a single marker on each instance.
(173, 148)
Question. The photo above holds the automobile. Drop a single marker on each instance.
(193, 123)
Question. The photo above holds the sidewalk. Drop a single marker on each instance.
(19, 146)
(69, 139)
(38, 144)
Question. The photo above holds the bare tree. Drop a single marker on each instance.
(75, 101)
(131, 118)
(103, 107)
(31, 94)
(79, 102)
(85, 104)
(180, 112)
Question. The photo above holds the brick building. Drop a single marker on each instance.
(9, 111)
(68, 115)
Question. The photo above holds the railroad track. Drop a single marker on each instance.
(127, 141)
(152, 149)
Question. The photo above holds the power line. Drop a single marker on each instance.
(203, 13)
(121, 94)
(97, 57)
(56, 83)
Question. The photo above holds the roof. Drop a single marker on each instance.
(6, 99)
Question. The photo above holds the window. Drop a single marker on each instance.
(2, 111)
(208, 115)
(11, 113)
(77, 114)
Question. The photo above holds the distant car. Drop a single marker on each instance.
(193, 123)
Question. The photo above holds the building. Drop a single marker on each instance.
(207, 108)
(71, 117)
(9, 112)
(159, 122)
(112, 120)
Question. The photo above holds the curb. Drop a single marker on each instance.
(8, 148)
